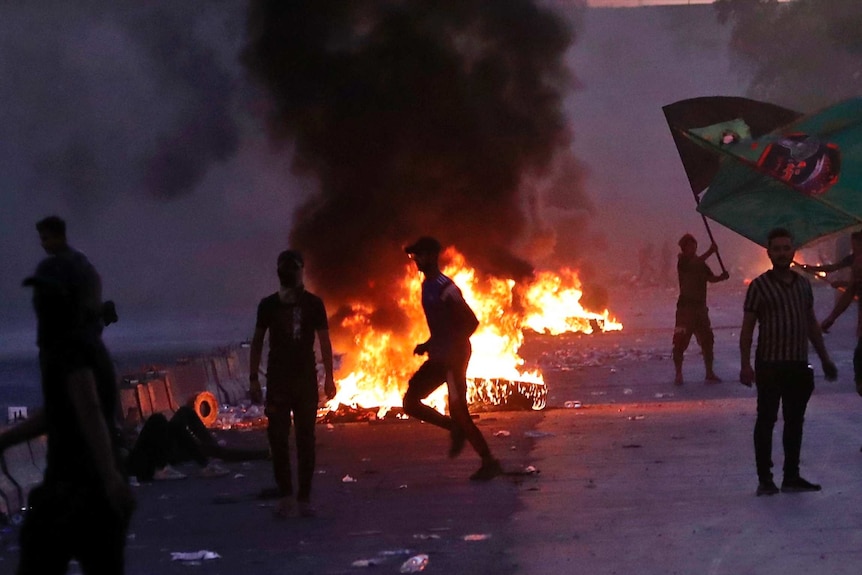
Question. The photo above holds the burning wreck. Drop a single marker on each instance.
(374, 363)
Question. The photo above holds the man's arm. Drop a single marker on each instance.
(30, 428)
(705, 255)
(840, 306)
(815, 335)
(326, 356)
(81, 387)
(254, 390)
(746, 336)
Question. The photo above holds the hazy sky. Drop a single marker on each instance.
(93, 104)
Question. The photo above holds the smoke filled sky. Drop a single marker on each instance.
(142, 127)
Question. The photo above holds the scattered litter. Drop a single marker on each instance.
(365, 533)
(367, 562)
(572, 405)
(202, 555)
(627, 391)
(402, 486)
(534, 433)
(502, 433)
(598, 393)
(660, 395)
(239, 476)
(366, 459)
(477, 537)
(613, 370)
(348, 479)
(330, 427)
(415, 564)
(531, 470)
(636, 417)
(425, 536)
(395, 552)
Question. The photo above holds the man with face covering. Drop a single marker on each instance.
(293, 317)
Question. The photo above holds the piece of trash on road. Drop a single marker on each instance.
(367, 562)
(534, 433)
(573, 405)
(424, 536)
(202, 555)
(661, 395)
(531, 470)
(502, 433)
(415, 564)
(628, 391)
(348, 479)
(636, 417)
(476, 537)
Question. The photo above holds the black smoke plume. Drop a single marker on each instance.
(416, 118)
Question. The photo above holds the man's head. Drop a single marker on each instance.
(424, 252)
(780, 248)
(52, 233)
(687, 244)
(290, 266)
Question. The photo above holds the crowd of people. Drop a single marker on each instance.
(84, 504)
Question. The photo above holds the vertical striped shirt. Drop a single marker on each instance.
(782, 311)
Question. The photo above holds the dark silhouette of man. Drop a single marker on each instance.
(82, 508)
(451, 322)
(293, 317)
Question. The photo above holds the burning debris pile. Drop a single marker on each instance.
(380, 362)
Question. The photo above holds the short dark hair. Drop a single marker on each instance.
(424, 245)
(54, 225)
(686, 239)
(291, 256)
(778, 233)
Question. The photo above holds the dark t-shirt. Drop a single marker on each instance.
(67, 300)
(450, 332)
(292, 329)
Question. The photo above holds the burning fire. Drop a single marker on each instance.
(382, 362)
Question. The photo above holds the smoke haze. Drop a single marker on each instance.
(140, 125)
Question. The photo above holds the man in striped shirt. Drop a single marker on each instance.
(782, 303)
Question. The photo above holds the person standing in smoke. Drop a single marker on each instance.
(692, 315)
(294, 317)
(451, 323)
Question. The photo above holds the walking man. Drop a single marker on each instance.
(81, 510)
(692, 315)
(293, 317)
(782, 303)
(451, 323)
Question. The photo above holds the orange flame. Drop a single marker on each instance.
(381, 362)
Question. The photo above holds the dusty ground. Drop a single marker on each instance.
(643, 477)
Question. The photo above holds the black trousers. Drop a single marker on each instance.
(787, 385)
(298, 410)
(161, 442)
(67, 521)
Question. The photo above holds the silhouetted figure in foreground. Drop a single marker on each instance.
(451, 323)
(81, 510)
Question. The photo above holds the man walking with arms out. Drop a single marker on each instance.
(451, 323)
(782, 303)
(293, 317)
